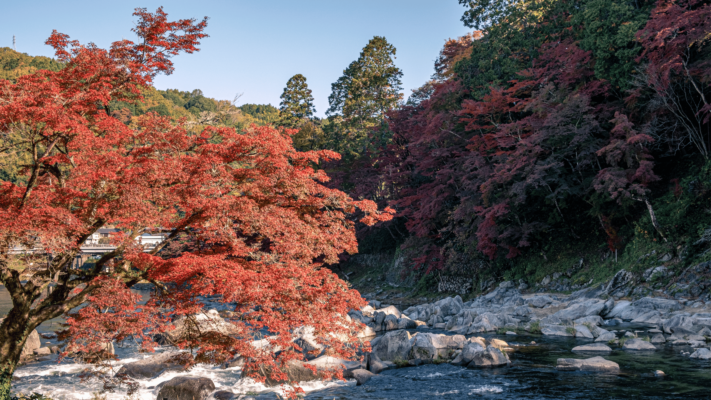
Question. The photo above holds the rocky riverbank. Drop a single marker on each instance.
(492, 331)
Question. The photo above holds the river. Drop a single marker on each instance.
(531, 375)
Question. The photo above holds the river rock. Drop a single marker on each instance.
(538, 301)
(650, 318)
(200, 324)
(657, 339)
(468, 352)
(682, 324)
(617, 309)
(186, 388)
(556, 330)
(650, 273)
(390, 323)
(151, 367)
(430, 346)
(32, 343)
(659, 304)
(43, 351)
(223, 395)
(592, 320)
(594, 364)
(621, 279)
(395, 345)
(360, 375)
(592, 347)
(605, 336)
(638, 344)
(491, 357)
(374, 364)
(582, 331)
(702, 354)
(391, 310)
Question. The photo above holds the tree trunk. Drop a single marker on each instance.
(14, 330)
(654, 219)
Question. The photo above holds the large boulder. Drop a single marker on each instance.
(450, 306)
(32, 343)
(391, 310)
(200, 324)
(360, 375)
(702, 354)
(468, 353)
(659, 304)
(592, 348)
(491, 357)
(582, 331)
(594, 364)
(395, 345)
(605, 336)
(430, 346)
(390, 322)
(621, 279)
(638, 344)
(681, 324)
(151, 367)
(616, 309)
(186, 388)
(539, 301)
(557, 330)
(580, 310)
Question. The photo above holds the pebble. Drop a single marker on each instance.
(659, 373)
(511, 333)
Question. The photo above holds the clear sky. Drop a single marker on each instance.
(255, 46)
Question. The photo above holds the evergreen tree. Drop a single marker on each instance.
(297, 103)
(369, 87)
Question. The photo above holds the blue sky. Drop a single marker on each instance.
(255, 46)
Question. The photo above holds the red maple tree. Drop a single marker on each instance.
(259, 223)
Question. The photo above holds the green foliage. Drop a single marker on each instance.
(297, 102)
(609, 29)
(369, 87)
(14, 65)
(535, 327)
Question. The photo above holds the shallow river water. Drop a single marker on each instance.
(532, 375)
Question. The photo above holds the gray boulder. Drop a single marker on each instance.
(395, 345)
(391, 310)
(638, 344)
(186, 388)
(702, 354)
(200, 324)
(592, 348)
(650, 318)
(621, 279)
(151, 367)
(360, 375)
(538, 301)
(605, 336)
(654, 272)
(657, 339)
(556, 330)
(468, 352)
(374, 364)
(580, 310)
(406, 323)
(592, 320)
(32, 343)
(390, 323)
(491, 357)
(582, 331)
(594, 364)
(659, 304)
(682, 324)
(617, 309)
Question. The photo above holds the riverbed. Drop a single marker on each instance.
(531, 375)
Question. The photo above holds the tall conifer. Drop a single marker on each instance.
(369, 87)
(297, 103)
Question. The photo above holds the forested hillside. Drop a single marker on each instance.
(194, 106)
(561, 136)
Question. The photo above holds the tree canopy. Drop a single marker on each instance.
(248, 217)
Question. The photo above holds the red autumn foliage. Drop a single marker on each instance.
(262, 220)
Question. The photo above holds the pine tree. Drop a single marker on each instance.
(297, 103)
(369, 87)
